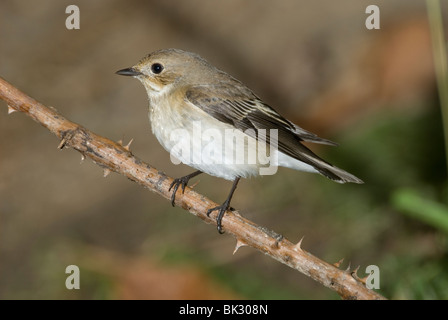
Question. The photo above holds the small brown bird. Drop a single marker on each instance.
(212, 122)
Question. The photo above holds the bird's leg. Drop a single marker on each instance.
(224, 207)
(181, 181)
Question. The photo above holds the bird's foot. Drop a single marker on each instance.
(222, 210)
(224, 207)
(183, 181)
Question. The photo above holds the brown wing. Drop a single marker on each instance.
(239, 104)
(242, 109)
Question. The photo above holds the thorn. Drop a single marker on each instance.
(348, 268)
(106, 172)
(239, 244)
(298, 246)
(363, 280)
(194, 184)
(66, 137)
(128, 146)
(62, 143)
(338, 264)
(83, 157)
(355, 275)
(120, 142)
(355, 272)
(11, 109)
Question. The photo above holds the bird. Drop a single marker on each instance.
(198, 113)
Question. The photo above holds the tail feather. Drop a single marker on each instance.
(334, 173)
(338, 175)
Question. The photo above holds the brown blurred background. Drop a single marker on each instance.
(373, 91)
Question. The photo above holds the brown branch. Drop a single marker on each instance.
(114, 157)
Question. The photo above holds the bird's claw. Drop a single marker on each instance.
(222, 210)
(183, 181)
(176, 183)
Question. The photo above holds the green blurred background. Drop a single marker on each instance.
(372, 91)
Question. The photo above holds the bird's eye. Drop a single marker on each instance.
(156, 68)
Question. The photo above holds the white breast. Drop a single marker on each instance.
(199, 140)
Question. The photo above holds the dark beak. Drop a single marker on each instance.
(128, 72)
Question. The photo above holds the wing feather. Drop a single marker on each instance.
(244, 110)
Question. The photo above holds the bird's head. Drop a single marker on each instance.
(162, 69)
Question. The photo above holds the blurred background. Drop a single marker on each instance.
(372, 91)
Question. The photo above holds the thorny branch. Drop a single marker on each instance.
(113, 156)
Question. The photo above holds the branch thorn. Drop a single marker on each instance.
(194, 184)
(356, 277)
(363, 280)
(128, 146)
(11, 109)
(348, 268)
(239, 243)
(355, 272)
(298, 246)
(62, 143)
(338, 264)
(106, 172)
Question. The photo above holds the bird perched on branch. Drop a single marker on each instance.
(212, 122)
